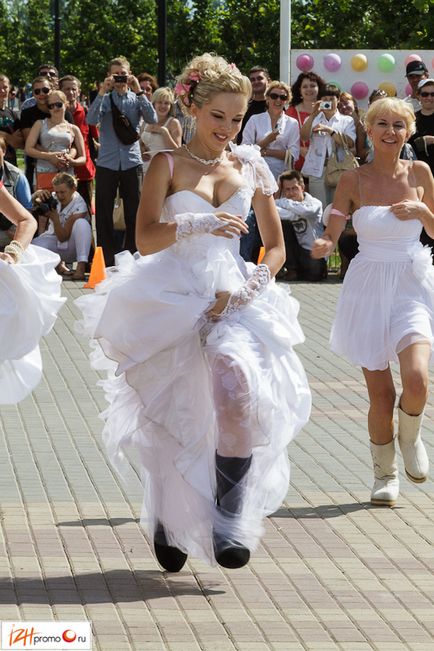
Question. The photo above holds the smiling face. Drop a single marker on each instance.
(41, 90)
(277, 99)
(309, 90)
(426, 98)
(4, 92)
(162, 107)
(219, 120)
(259, 82)
(55, 104)
(388, 132)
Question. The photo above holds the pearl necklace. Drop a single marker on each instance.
(204, 161)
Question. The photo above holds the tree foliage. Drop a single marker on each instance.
(245, 31)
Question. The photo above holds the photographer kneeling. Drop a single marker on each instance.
(69, 233)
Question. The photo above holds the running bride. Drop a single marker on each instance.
(202, 381)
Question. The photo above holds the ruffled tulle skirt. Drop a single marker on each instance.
(159, 354)
(29, 302)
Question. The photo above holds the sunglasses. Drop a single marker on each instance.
(48, 74)
(55, 105)
(38, 91)
(425, 93)
(278, 96)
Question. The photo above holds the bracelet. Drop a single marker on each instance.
(15, 249)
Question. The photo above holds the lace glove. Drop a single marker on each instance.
(252, 288)
(196, 224)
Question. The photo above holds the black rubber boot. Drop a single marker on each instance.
(171, 558)
(229, 473)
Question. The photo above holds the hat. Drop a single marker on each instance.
(424, 82)
(415, 68)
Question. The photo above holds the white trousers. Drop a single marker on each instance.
(77, 247)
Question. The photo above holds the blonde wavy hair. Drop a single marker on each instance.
(391, 105)
(205, 76)
(162, 94)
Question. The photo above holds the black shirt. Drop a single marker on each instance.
(9, 124)
(254, 107)
(30, 115)
(424, 127)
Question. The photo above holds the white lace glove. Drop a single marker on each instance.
(252, 288)
(196, 224)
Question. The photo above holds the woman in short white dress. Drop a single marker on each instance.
(202, 379)
(29, 302)
(386, 308)
(167, 133)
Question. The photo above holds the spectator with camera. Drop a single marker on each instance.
(17, 185)
(69, 234)
(301, 216)
(118, 108)
(326, 129)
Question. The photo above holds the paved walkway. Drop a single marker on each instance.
(332, 572)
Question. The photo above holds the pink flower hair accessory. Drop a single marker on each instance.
(185, 90)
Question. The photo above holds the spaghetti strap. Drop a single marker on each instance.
(171, 162)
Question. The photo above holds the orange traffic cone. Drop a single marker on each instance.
(261, 254)
(97, 270)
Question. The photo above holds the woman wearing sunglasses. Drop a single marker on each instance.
(61, 146)
(277, 135)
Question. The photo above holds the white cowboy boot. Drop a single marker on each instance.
(386, 483)
(413, 451)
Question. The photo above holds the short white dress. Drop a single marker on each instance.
(151, 336)
(29, 302)
(387, 298)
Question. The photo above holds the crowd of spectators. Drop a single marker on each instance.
(75, 146)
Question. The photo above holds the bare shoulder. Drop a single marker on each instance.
(349, 181)
(420, 169)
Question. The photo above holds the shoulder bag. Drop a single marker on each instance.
(334, 168)
(122, 127)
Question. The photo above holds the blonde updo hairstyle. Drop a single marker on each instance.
(205, 76)
(391, 105)
(162, 94)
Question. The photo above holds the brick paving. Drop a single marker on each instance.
(332, 571)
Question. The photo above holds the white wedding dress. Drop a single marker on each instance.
(29, 302)
(166, 363)
(387, 299)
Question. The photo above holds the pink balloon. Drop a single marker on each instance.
(359, 90)
(412, 57)
(332, 62)
(408, 89)
(304, 62)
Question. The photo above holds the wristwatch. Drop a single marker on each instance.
(332, 133)
(141, 92)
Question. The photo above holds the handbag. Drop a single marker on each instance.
(334, 168)
(44, 180)
(118, 214)
(122, 127)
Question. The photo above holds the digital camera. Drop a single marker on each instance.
(120, 79)
(325, 106)
(41, 209)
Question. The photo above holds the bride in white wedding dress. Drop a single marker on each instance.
(202, 380)
(385, 311)
(29, 302)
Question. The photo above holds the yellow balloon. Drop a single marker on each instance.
(389, 88)
(359, 62)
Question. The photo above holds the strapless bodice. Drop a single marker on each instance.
(384, 237)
